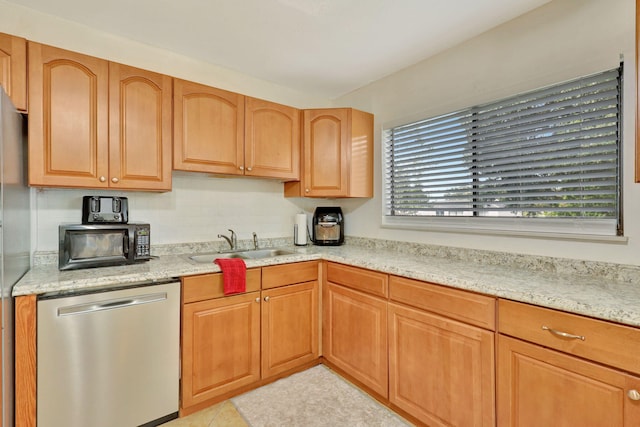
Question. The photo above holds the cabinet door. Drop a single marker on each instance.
(13, 69)
(441, 371)
(220, 346)
(208, 129)
(355, 335)
(140, 129)
(289, 327)
(272, 140)
(542, 387)
(326, 153)
(68, 118)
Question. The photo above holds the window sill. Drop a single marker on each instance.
(507, 228)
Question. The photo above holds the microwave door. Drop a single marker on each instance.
(125, 245)
(93, 248)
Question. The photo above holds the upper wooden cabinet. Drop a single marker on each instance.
(338, 154)
(13, 69)
(95, 124)
(272, 140)
(208, 131)
(139, 128)
(68, 118)
(221, 132)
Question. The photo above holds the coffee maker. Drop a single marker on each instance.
(328, 226)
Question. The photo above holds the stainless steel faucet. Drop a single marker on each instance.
(232, 241)
(255, 241)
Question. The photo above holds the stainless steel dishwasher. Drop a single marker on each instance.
(109, 358)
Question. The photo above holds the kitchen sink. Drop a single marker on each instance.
(207, 258)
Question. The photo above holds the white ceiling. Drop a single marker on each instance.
(322, 47)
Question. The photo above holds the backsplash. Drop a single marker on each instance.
(197, 209)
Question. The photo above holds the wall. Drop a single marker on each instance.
(559, 41)
(199, 207)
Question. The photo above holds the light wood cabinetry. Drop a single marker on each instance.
(261, 334)
(208, 131)
(441, 370)
(220, 346)
(139, 128)
(290, 319)
(355, 325)
(220, 338)
(226, 133)
(68, 118)
(13, 69)
(538, 385)
(25, 361)
(95, 124)
(272, 140)
(337, 153)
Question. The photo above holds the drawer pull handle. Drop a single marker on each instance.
(633, 395)
(563, 334)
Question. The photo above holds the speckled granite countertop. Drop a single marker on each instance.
(601, 290)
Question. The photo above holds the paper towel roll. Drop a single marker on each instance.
(300, 229)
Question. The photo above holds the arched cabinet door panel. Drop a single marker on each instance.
(97, 124)
(208, 133)
(13, 69)
(337, 146)
(140, 128)
(272, 140)
(68, 118)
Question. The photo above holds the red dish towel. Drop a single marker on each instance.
(234, 275)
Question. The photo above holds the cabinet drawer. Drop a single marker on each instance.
(474, 309)
(605, 342)
(358, 278)
(288, 274)
(208, 286)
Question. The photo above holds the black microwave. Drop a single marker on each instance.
(101, 245)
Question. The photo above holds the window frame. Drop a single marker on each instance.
(571, 228)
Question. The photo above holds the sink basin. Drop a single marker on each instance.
(209, 257)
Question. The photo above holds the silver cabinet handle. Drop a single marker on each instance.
(241, 168)
(115, 180)
(633, 394)
(103, 179)
(266, 299)
(258, 299)
(249, 169)
(563, 334)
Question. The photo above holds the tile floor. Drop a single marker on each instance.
(317, 397)
(224, 414)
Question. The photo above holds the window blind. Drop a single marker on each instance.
(548, 153)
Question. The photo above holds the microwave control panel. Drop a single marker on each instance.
(143, 243)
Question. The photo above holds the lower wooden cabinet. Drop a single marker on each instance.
(542, 387)
(440, 371)
(355, 335)
(289, 327)
(234, 342)
(220, 346)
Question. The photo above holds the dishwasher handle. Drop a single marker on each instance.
(95, 306)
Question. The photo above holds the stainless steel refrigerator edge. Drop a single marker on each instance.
(16, 238)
